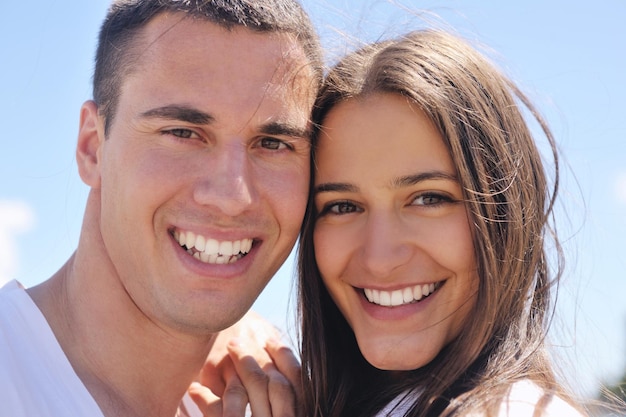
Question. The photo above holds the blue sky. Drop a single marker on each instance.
(569, 56)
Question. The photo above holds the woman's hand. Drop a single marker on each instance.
(249, 365)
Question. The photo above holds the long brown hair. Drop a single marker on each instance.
(480, 115)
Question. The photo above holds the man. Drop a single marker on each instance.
(196, 152)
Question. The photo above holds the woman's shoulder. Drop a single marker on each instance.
(526, 398)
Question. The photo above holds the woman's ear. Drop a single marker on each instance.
(89, 146)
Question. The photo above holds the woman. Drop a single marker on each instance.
(424, 284)
(424, 281)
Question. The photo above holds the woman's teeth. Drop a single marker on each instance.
(400, 297)
(213, 251)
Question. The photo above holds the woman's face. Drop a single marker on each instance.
(392, 240)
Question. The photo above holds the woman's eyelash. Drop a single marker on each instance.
(338, 208)
(425, 199)
(433, 199)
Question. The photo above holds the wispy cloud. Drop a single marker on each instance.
(16, 217)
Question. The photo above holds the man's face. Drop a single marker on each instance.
(204, 173)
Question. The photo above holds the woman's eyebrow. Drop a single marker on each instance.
(399, 182)
(408, 180)
(335, 187)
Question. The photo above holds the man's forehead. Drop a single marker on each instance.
(180, 27)
(198, 64)
(230, 45)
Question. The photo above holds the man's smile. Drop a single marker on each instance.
(210, 250)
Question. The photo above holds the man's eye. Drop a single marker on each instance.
(273, 144)
(181, 133)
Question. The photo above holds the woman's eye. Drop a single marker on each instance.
(342, 207)
(430, 200)
(273, 144)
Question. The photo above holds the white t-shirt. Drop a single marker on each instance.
(36, 378)
(521, 402)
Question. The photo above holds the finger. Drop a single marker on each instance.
(288, 367)
(281, 393)
(254, 379)
(286, 362)
(208, 403)
(215, 376)
(235, 399)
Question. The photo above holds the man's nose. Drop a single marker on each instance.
(226, 181)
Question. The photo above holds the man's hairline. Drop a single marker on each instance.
(129, 68)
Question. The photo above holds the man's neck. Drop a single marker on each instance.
(130, 365)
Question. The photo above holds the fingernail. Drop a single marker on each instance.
(274, 341)
(195, 385)
(235, 342)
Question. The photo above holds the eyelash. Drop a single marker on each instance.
(331, 208)
(277, 141)
(184, 134)
(441, 199)
(180, 133)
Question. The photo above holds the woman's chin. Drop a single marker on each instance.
(395, 361)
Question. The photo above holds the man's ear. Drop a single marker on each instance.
(89, 146)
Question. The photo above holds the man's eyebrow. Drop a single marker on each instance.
(194, 116)
(181, 113)
(285, 129)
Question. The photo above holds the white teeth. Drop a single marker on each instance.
(399, 297)
(226, 248)
(385, 298)
(200, 243)
(236, 246)
(212, 246)
(396, 298)
(190, 239)
(212, 251)
(204, 257)
(407, 295)
(417, 292)
(372, 295)
(246, 245)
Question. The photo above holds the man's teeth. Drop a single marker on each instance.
(399, 297)
(213, 251)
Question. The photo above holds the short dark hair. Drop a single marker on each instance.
(125, 18)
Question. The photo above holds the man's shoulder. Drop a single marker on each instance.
(24, 330)
(36, 377)
(16, 309)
